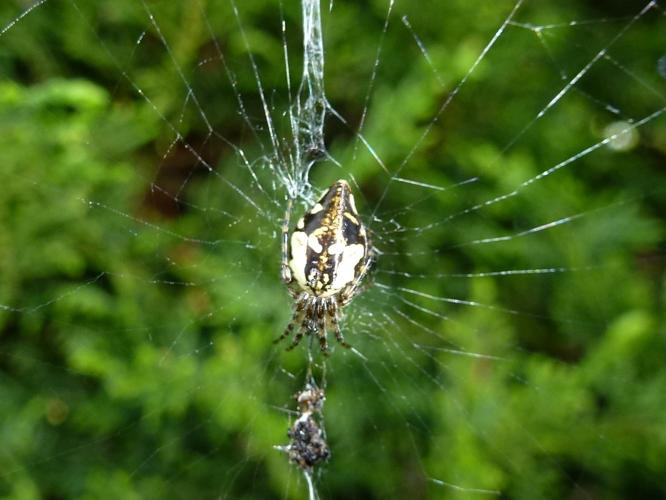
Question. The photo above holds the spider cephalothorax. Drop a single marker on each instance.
(324, 260)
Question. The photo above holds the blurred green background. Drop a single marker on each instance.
(139, 292)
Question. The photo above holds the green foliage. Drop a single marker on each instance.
(139, 293)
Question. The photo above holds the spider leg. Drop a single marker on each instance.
(285, 271)
(301, 331)
(348, 294)
(333, 316)
(296, 318)
(321, 329)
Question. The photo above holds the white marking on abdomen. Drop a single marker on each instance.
(317, 208)
(313, 243)
(336, 248)
(346, 269)
(299, 242)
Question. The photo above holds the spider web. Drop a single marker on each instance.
(493, 313)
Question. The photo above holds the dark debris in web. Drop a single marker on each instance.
(307, 446)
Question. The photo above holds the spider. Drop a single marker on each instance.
(323, 263)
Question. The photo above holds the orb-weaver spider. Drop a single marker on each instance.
(323, 263)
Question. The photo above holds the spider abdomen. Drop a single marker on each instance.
(329, 244)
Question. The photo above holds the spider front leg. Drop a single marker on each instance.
(335, 322)
(296, 319)
(321, 329)
(348, 293)
(304, 325)
(285, 271)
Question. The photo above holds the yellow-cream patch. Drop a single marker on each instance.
(352, 203)
(299, 248)
(336, 248)
(351, 218)
(313, 243)
(346, 269)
